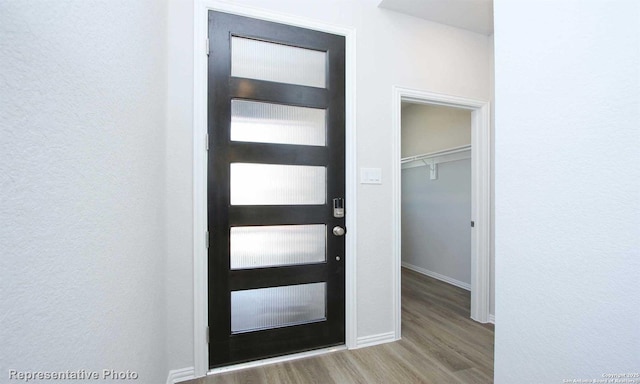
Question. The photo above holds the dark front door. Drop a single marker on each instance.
(276, 120)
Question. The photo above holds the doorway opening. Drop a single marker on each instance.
(436, 192)
(480, 156)
(202, 147)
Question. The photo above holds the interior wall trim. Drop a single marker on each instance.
(437, 276)
(381, 338)
(480, 195)
(179, 375)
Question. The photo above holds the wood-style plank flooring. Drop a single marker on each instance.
(440, 344)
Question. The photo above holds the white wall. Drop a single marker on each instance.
(431, 128)
(392, 49)
(179, 174)
(492, 292)
(82, 159)
(436, 235)
(567, 190)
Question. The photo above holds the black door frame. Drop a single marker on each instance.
(200, 51)
(226, 348)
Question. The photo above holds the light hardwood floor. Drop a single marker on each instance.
(440, 344)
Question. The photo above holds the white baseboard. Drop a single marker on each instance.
(381, 338)
(492, 318)
(438, 276)
(178, 375)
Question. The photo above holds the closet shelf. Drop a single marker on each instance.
(434, 158)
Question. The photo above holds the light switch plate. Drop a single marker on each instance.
(370, 176)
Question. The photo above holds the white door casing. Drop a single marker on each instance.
(480, 195)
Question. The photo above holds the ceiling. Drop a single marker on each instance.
(473, 15)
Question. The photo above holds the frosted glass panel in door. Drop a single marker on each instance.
(271, 184)
(275, 123)
(269, 246)
(255, 59)
(264, 308)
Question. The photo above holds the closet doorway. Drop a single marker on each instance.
(436, 159)
(436, 192)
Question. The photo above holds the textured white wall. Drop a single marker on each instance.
(392, 49)
(179, 166)
(567, 190)
(82, 159)
(430, 128)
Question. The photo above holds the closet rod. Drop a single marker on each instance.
(430, 155)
